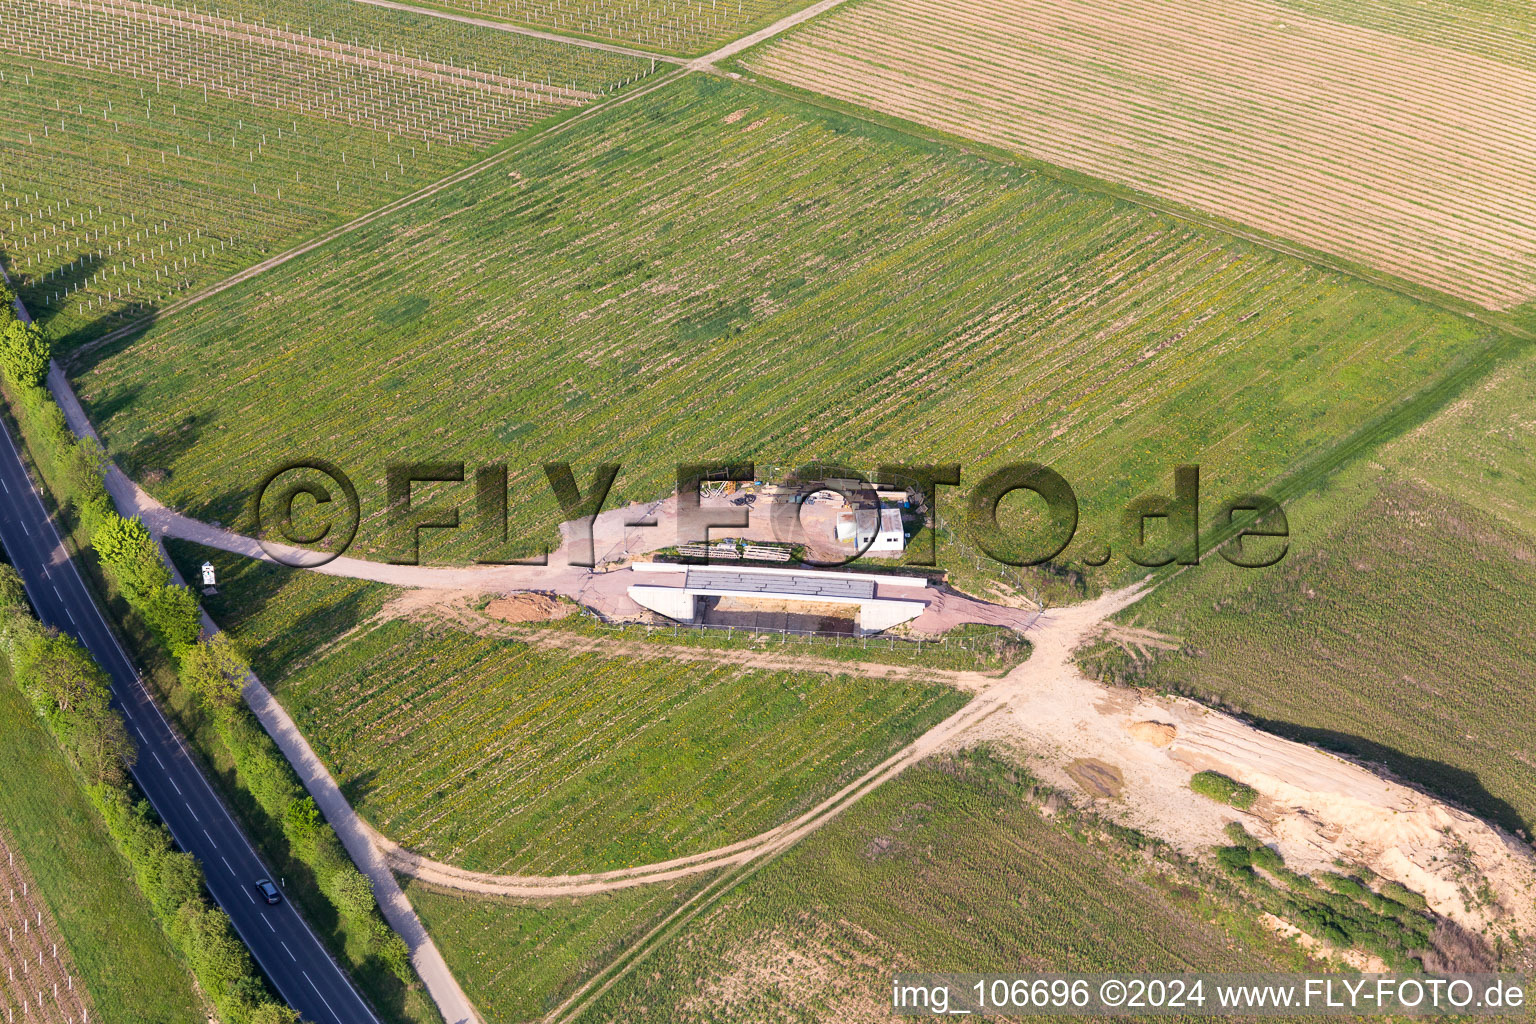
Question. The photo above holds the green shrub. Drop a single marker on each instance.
(13, 594)
(178, 880)
(1234, 858)
(173, 614)
(128, 551)
(1399, 893)
(71, 693)
(1227, 790)
(1344, 885)
(260, 764)
(391, 948)
(214, 671)
(349, 892)
(1268, 859)
(302, 825)
(1240, 836)
(24, 353)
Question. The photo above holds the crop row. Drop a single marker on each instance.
(1489, 28)
(645, 298)
(154, 153)
(500, 756)
(425, 35)
(268, 67)
(116, 198)
(1406, 159)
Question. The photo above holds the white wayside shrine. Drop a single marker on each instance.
(883, 601)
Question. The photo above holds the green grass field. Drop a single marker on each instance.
(950, 867)
(496, 754)
(125, 961)
(144, 161)
(519, 959)
(662, 284)
(1398, 626)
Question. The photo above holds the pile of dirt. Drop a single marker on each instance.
(1159, 734)
(1316, 809)
(529, 608)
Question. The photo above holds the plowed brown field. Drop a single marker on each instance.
(1415, 159)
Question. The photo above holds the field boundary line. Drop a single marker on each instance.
(363, 220)
(1496, 319)
(523, 30)
(958, 723)
(746, 42)
(1058, 638)
(744, 851)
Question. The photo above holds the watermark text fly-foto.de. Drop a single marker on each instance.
(313, 505)
(1217, 995)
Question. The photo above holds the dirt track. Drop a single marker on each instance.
(454, 610)
(1315, 807)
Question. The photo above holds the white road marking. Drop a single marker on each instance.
(174, 786)
(193, 813)
(159, 762)
(268, 922)
(127, 665)
(327, 1002)
(210, 839)
(227, 864)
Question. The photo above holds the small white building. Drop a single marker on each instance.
(873, 531)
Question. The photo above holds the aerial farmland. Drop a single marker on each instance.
(1393, 145)
(520, 510)
(641, 278)
(154, 149)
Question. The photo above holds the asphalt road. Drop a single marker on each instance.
(288, 951)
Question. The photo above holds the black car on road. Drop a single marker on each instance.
(269, 892)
